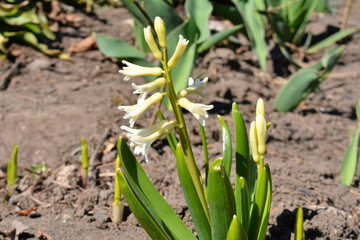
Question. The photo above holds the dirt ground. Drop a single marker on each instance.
(50, 104)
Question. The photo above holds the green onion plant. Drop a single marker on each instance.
(220, 207)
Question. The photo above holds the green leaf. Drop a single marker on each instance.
(201, 221)
(358, 109)
(350, 159)
(228, 12)
(267, 206)
(139, 37)
(243, 202)
(331, 40)
(227, 145)
(200, 11)
(297, 89)
(255, 27)
(259, 207)
(218, 37)
(236, 230)
(113, 47)
(141, 211)
(148, 195)
(154, 8)
(206, 153)
(221, 200)
(299, 228)
(242, 152)
(331, 57)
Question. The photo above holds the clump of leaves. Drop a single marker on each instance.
(25, 22)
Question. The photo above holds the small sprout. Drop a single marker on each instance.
(12, 170)
(117, 206)
(84, 160)
(299, 228)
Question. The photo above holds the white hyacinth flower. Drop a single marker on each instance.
(180, 48)
(134, 111)
(197, 109)
(133, 70)
(142, 139)
(254, 142)
(196, 87)
(144, 89)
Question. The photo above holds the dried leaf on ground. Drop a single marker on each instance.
(83, 46)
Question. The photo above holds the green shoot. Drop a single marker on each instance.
(84, 160)
(12, 170)
(117, 206)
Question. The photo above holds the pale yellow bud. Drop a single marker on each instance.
(260, 107)
(149, 38)
(179, 50)
(254, 142)
(261, 133)
(160, 30)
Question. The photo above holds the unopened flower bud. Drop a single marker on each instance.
(260, 107)
(160, 29)
(261, 134)
(254, 142)
(149, 38)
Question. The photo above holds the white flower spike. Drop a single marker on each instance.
(144, 89)
(180, 48)
(198, 110)
(196, 87)
(133, 70)
(254, 142)
(142, 139)
(134, 111)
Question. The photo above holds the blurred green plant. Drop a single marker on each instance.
(24, 22)
(351, 156)
(194, 25)
(12, 170)
(306, 81)
(38, 169)
(299, 225)
(217, 209)
(288, 20)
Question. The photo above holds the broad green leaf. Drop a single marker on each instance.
(221, 200)
(200, 11)
(242, 153)
(331, 57)
(198, 215)
(351, 158)
(141, 212)
(218, 37)
(228, 12)
(114, 47)
(267, 206)
(259, 205)
(331, 40)
(299, 228)
(227, 145)
(296, 89)
(149, 195)
(139, 36)
(236, 230)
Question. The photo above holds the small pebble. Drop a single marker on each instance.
(34, 215)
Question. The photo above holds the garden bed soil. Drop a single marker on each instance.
(50, 104)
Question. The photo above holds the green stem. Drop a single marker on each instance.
(117, 189)
(184, 137)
